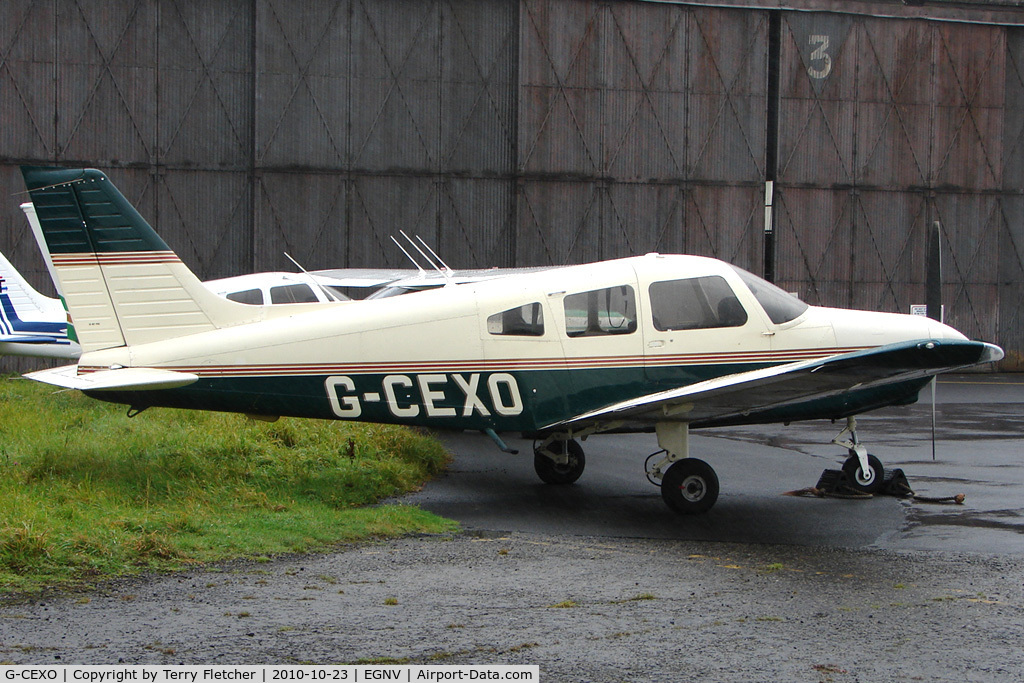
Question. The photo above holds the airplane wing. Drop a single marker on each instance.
(769, 392)
(414, 279)
(364, 277)
(112, 380)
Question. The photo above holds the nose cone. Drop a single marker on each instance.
(867, 328)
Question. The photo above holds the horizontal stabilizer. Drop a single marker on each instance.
(136, 379)
(26, 339)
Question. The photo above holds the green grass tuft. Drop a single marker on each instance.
(86, 492)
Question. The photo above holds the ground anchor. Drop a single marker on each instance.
(837, 484)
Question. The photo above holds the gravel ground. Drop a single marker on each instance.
(582, 608)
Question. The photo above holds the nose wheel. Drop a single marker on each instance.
(864, 472)
(864, 481)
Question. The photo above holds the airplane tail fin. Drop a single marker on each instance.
(121, 283)
(22, 299)
(23, 310)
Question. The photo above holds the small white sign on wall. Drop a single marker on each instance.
(922, 310)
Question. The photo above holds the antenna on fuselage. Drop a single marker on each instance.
(434, 254)
(408, 255)
(442, 268)
(331, 296)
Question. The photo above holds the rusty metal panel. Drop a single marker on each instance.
(478, 87)
(395, 100)
(559, 222)
(1011, 237)
(1013, 113)
(816, 99)
(1010, 312)
(643, 92)
(971, 227)
(894, 108)
(206, 217)
(878, 110)
(303, 214)
(27, 106)
(970, 82)
(476, 222)
(576, 222)
(726, 95)
(888, 249)
(106, 81)
(814, 231)
(887, 103)
(726, 222)
(643, 217)
(205, 84)
(383, 205)
(560, 100)
(302, 83)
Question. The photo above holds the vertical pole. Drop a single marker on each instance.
(933, 294)
(933, 277)
(771, 146)
(253, 113)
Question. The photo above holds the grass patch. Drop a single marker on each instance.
(86, 492)
(565, 604)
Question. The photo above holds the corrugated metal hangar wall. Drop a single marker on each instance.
(544, 131)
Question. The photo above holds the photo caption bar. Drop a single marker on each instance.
(350, 673)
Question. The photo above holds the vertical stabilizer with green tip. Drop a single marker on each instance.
(121, 283)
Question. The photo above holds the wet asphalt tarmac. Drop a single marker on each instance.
(599, 582)
(979, 451)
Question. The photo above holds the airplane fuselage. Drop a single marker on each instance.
(583, 337)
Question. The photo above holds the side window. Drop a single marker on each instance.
(601, 312)
(247, 296)
(292, 294)
(521, 321)
(694, 304)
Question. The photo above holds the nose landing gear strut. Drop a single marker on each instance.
(863, 470)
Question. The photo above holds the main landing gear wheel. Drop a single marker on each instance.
(864, 482)
(567, 472)
(689, 486)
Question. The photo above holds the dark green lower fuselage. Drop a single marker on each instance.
(526, 401)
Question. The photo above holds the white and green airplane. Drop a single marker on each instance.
(652, 343)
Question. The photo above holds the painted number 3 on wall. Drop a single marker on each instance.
(821, 60)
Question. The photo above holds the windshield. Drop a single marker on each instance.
(781, 306)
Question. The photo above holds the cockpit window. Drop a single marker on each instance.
(601, 312)
(292, 294)
(695, 303)
(521, 321)
(781, 306)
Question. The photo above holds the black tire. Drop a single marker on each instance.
(551, 472)
(690, 486)
(856, 478)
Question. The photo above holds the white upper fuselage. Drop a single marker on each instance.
(449, 328)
